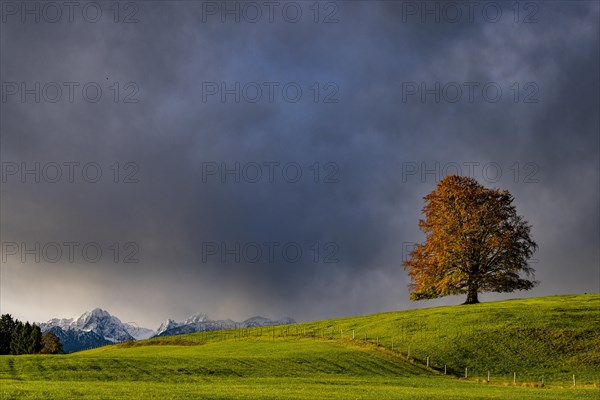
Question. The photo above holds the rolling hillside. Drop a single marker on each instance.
(553, 337)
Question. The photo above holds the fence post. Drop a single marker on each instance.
(427, 361)
(514, 377)
(377, 340)
(573, 380)
(352, 334)
(444, 369)
(466, 373)
(488, 377)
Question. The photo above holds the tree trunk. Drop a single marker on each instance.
(472, 296)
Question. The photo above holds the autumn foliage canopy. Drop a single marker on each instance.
(475, 242)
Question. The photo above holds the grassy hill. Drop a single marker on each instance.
(552, 336)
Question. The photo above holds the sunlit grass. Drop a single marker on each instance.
(554, 337)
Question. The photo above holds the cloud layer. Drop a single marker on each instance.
(367, 135)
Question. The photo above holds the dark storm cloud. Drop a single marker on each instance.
(370, 134)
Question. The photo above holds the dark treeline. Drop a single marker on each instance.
(18, 338)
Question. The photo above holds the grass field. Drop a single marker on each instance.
(552, 336)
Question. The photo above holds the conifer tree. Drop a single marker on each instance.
(24, 341)
(17, 338)
(7, 326)
(34, 340)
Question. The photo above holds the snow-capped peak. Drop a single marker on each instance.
(165, 326)
(102, 323)
(200, 317)
(137, 332)
(172, 324)
(110, 328)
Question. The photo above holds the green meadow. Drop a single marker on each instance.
(545, 341)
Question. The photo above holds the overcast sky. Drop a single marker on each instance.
(340, 118)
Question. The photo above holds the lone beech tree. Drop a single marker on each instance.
(475, 242)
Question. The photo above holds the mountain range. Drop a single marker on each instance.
(201, 323)
(98, 328)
